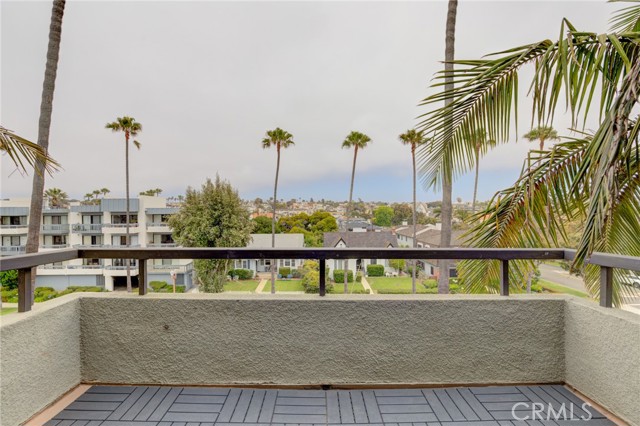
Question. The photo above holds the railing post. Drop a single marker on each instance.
(142, 277)
(606, 286)
(323, 277)
(504, 278)
(24, 290)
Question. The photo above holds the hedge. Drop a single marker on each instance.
(375, 270)
(338, 276)
(163, 287)
(311, 283)
(242, 274)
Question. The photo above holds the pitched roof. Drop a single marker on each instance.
(431, 238)
(382, 239)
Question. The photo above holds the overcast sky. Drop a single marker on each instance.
(207, 79)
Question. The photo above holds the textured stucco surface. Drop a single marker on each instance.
(39, 358)
(602, 349)
(309, 340)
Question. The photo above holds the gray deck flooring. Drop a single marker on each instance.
(206, 406)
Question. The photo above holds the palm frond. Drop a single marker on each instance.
(25, 153)
(627, 19)
(486, 93)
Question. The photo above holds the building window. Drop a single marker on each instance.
(91, 262)
(59, 240)
(122, 218)
(374, 261)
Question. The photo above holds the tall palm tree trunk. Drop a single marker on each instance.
(353, 175)
(475, 184)
(44, 126)
(447, 186)
(273, 224)
(128, 238)
(415, 233)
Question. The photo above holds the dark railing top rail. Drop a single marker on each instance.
(35, 259)
(607, 262)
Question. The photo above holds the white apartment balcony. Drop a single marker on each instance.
(156, 245)
(11, 250)
(158, 227)
(167, 268)
(86, 246)
(87, 228)
(55, 229)
(54, 246)
(120, 228)
(13, 229)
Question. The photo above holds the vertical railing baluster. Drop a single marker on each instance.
(606, 287)
(504, 278)
(323, 277)
(142, 277)
(24, 290)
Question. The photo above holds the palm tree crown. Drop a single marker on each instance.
(128, 125)
(542, 134)
(356, 139)
(278, 138)
(20, 150)
(57, 197)
(412, 137)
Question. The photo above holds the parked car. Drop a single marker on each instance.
(632, 278)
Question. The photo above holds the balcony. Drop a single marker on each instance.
(59, 229)
(158, 227)
(87, 228)
(14, 229)
(157, 245)
(434, 354)
(54, 246)
(120, 228)
(12, 250)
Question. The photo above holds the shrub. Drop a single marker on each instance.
(429, 284)
(536, 288)
(9, 279)
(338, 276)
(157, 285)
(242, 274)
(311, 283)
(358, 277)
(10, 296)
(285, 271)
(296, 273)
(397, 264)
(375, 270)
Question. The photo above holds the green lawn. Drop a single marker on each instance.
(5, 311)
(284, 285)
(558, 288)
(339, 288)
(241, 285)
(395, 284)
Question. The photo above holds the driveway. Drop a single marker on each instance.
(558, 275)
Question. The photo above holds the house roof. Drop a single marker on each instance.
(381, 239)
(282, 241)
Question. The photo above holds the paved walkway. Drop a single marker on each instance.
(366, 285)
(261, 285)
(206, 406)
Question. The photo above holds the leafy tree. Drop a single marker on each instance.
(57, 197)
(152, 192)
(312, 227)
(402, 212)
(397, 264)
(542, 134)
(44, 126)
(281, 139)
(130, 127)
(383, 216)
(9, 279)
(592, 178)
(262, 225)
(214, 216)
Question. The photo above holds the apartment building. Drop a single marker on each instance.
(95, 225)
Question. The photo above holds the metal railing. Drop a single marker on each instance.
(57, 228)
(162, 245)
(24, 263)
(87, 227)
(120, 225)
(158, 224)
(14, 226)
(54, 246)
(13, 249)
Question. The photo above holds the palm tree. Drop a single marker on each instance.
(281, 139)
(104, 192)
(542, 133)
(57, 197)
(44, 126)
(446, 216)
(481, 145)
(130, 127)
(414, 139)
(592, 178)
(355, 140)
